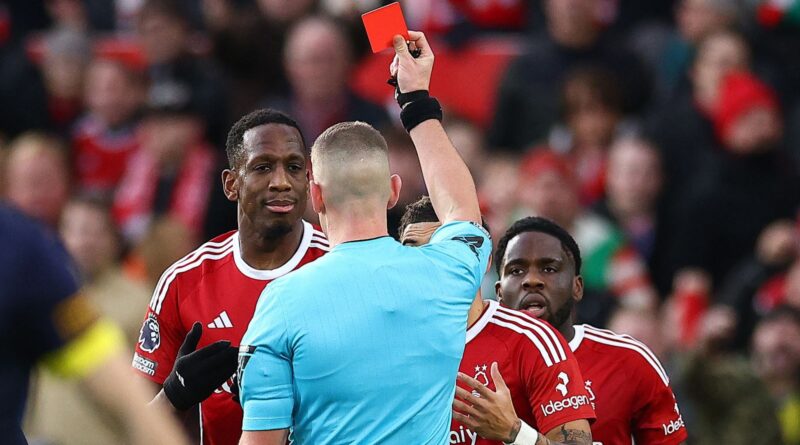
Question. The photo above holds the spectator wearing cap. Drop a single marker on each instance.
(613, 272)
(170, 175)
(749, 187)
(105, 137)
(527, 98)
(683, 130)
(318, 59)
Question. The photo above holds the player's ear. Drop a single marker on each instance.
(577, 288)
(230, 184)
(317, 202)
(498, 292)
(395, 185)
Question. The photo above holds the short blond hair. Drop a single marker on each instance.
(350, 161)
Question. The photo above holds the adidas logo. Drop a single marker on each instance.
(222, 321)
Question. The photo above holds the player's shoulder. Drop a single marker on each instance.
(523, 331)
(22, 234)
(213, 251)
(625, 350)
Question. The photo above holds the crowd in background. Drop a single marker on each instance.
(663, 134)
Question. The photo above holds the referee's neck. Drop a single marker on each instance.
(343, 228)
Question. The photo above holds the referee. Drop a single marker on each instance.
(363, 345)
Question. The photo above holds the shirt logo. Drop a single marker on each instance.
(150, 334)
(245, 352)
(588, 385)
(562, 387)
(222, 321)
(474, 242)
(480, 375)
(144, 365)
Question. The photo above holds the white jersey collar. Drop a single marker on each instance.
(271, 274)
(578, 338)
(481, 323)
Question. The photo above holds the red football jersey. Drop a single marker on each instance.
(629, 390)
(536, 364)
(212, 285)
(101, 155)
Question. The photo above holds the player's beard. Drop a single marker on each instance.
(563, 313)
(276, 230)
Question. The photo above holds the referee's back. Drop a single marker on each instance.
(363, 345)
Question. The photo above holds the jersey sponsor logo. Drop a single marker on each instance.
(144, 365)
(463, 435)
(574, 402)
(562, 387)
(474, 242)
(150, 334)
(674, 425)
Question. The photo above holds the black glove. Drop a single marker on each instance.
(197, 374)
(235, 388)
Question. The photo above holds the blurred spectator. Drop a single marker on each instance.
(37, 176)
(175, 74)
(633, 189)
(613, 272)
(468, 140)
(527, 102)
(592, 111)
(105, 137)
(171, 174)
(318, 59)
(22, 92)
(750, 184)
(460, 20)
(167, 240)
(682, 129)
(403, 161)
(248, 42)
(764, 281)
(90, 237)
(669, 53)
(498, 183)
(66, 56)
(728, 403)
(776, 356)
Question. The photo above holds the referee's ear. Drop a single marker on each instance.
(317, 203)
(395, 184)
(230, 185)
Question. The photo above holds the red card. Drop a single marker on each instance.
(383, 24)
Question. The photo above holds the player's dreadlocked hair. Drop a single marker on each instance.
(542, 225)
(421, 211)
(234, 146)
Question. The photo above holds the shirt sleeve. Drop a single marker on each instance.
(265, 368)
(162, 333)
(462, 250)
(51, 310)
(555, 386)
(657, 420)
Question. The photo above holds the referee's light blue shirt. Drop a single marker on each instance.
(362, 346)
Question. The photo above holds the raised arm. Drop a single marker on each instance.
(447, 178)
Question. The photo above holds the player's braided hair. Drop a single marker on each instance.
(421, 211)
(234, 146)
(542, 225)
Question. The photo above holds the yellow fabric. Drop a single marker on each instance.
(81, 356)
(789, 415)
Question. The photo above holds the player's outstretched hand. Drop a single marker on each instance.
(490, 414)
(412, 74)
(197, 373)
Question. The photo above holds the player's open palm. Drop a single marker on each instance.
(412, 74)
(489, 413)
